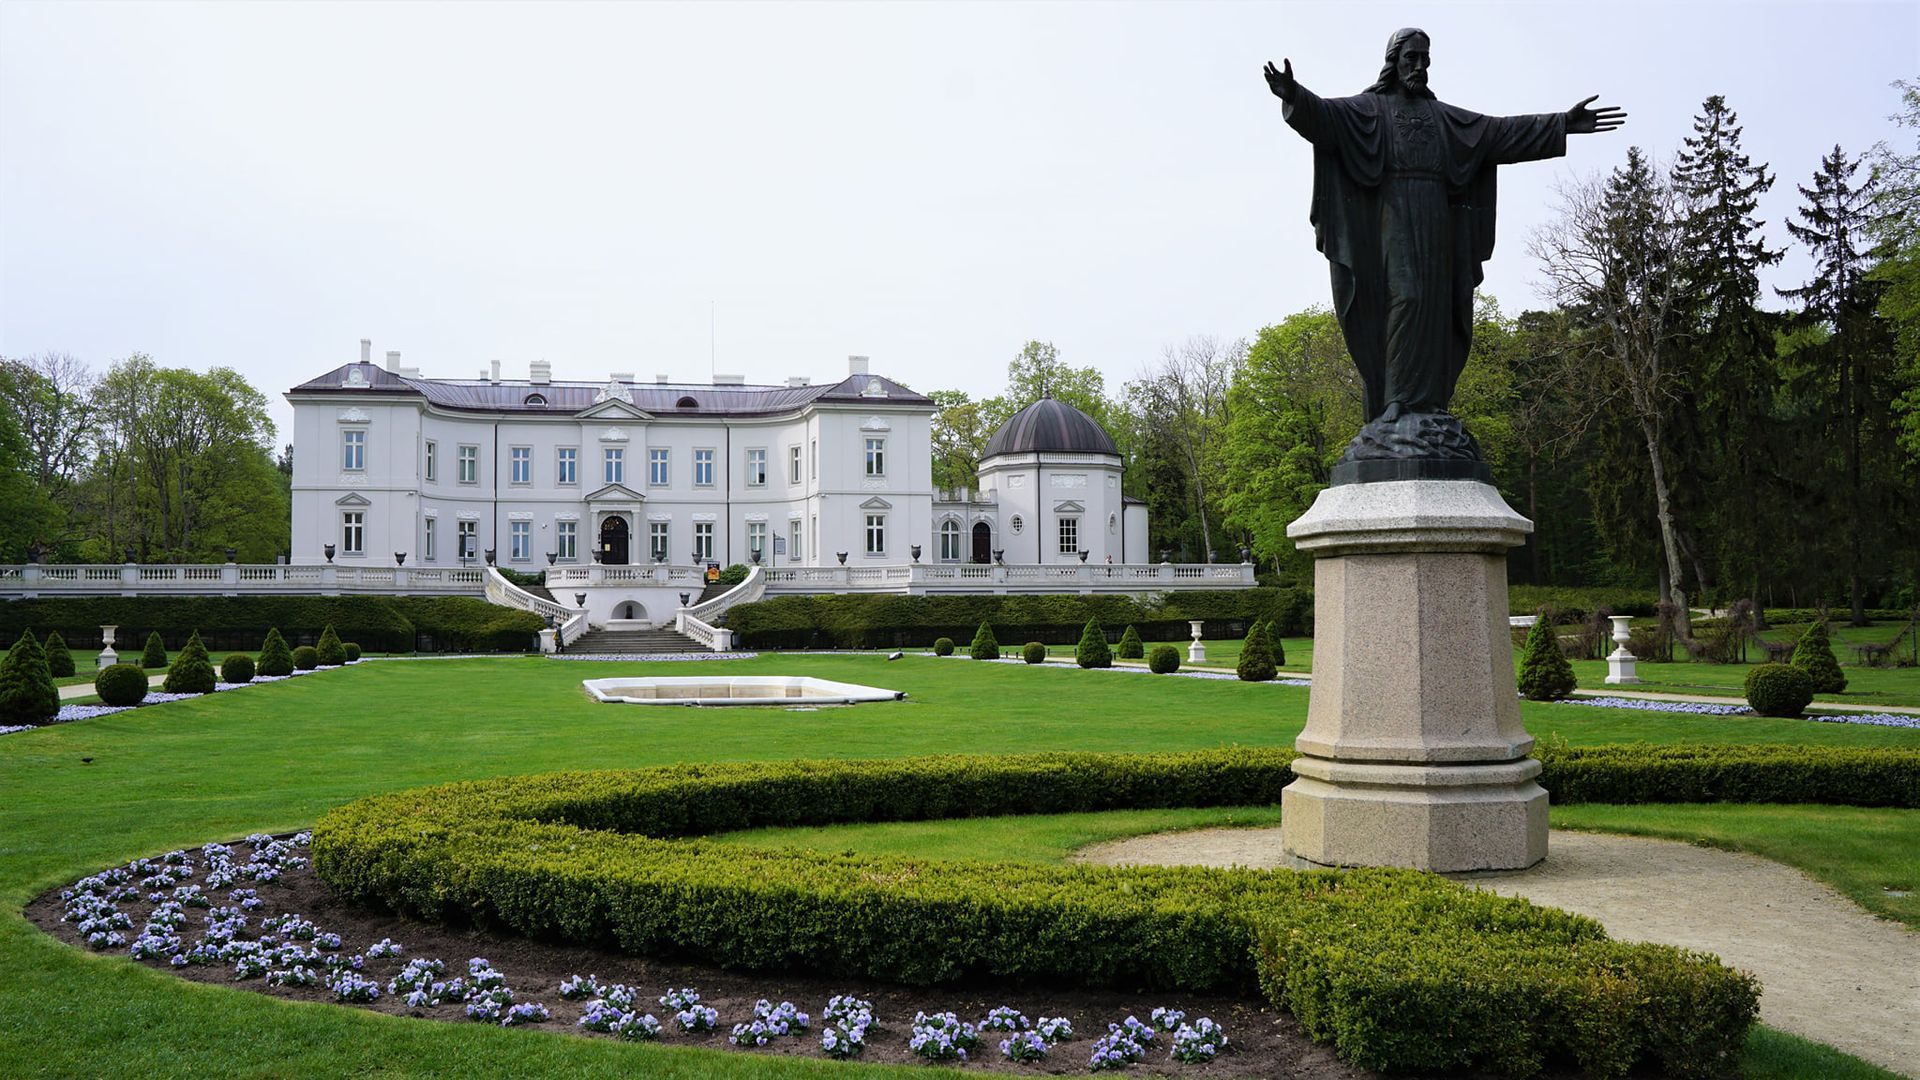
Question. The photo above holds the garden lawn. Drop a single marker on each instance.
(1865, 685)
(1220, 654)
(274, 757)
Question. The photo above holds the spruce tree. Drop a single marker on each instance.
(1544, 672)
(192, 671)
(1093, 651)
(275, 658)
(1814, 655)
(155, 655)
(27, 693)
(332, 653)
(985, 645)
(59, 658)
(1131, 647)
(1256, 656)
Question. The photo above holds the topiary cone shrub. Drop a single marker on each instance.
(1033, 652)
(1273, 643)
(943, 646)
(275, 658)
(1256, 656)
(332, 653)
(155, 654)
(121, 684)
(985, 645)
(27, 693)
(192, 671)
(1163, 660)
(306, 658)
(1093, 650)
(1544, 672)
(236, 668)
(352, 649)
(1779, 689)
(1131, 647)
(59, 659)
(1814, 655)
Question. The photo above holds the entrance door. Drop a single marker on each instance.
(613, 541)
(982, 542)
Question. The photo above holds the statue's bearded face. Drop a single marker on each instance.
(1412, 63)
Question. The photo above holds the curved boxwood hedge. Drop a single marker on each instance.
(1398, 970)
(378, 623)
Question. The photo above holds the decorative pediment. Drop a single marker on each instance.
(875, 423)
(874, 388)
(355, 415)
(356, 379)
(353, 498)
(615, 390)
(876, 503)
(614, 409)
(615, 493)
(1068, 506)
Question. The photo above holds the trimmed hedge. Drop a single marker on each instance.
(943, 646)
(1033, 653)
(1576, 603)
(1256, 656)
(275, 658)
(237, 668)
(329, 649)
(1545, 674)
(352, 649)
(1130, 647)
(27, 693)
(1398, 970)
(191, 671)
(1814, 655)
(121, 684)
(828, 621)
(1163, 660)
(59, 657)
(155, 654)
(1649, 773)
(1779, 689)
(379, 623)
(1093, 651)
(306, 658)
(985, 646)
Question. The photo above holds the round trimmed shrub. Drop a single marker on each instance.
(352, 649)
(943, 646)
(1544, 672)
(331, 652)
(985, 646)
(155, 654)
(306, 658)
(236, 668)
(1130, 647)
(192, 670)
(275, 658)
(59, 659)
(1033, 652)
(1093, 650)
(1163, 660)
(1814, 655)
(121, 684)
(27, 693)
(1256, 657)
(1779, 689)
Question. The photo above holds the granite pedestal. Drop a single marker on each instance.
(1414, 752)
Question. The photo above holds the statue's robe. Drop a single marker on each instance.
(1403, 209)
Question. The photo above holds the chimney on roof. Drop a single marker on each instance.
(540, 372)
(662, 378)
(393, 360)
(495, 368)
(729, 380)
(856, 365)
(366, 350)
(798, 381)
(621, 376)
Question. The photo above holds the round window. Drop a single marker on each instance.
(1017, 523)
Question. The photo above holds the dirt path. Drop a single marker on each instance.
(1828, 970)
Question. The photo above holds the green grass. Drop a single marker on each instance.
(1865, 686)
(274, 757)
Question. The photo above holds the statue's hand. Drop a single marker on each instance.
(1584, 121)
(1281, 81)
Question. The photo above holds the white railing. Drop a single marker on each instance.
(922, 578)
(715, 638)
(595, 575)
(233, 579)
(750, 589)
(568, 623)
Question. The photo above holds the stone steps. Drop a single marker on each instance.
(635, 643)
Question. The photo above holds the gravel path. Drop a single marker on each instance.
(1829, 971)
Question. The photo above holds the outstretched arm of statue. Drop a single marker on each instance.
(1304, 111)
(1281, 81)
(1584, 121)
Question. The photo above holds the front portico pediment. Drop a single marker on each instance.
(352, 499)
(616, 493)
(614, 409)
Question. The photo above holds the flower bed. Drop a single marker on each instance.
(70, 713)
(1398, 970)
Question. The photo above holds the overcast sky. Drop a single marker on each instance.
(627, 187)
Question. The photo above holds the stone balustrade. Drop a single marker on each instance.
(29, 580)
(921, 578)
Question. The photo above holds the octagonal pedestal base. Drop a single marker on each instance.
(1444, 818)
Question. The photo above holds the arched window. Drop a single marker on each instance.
(949, 541)
(536, 399)
(686, 403)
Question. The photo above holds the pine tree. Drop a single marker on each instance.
(1544, 672)
(1256, 656)
(985, 645)
(27, 693)
(1093, 651)
(332, 653)
(275, 658)
(1131, 647)
(1814, 655)
(59, 658)
(192, 670)
(155, 655)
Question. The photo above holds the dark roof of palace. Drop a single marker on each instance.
(1050, 426)
(521, 396)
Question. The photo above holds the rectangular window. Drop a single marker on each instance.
(793, 542)
(813, 456)
(353, 450)
(657, 540)
(657, 467)
(756, 467)
(566, 540)
(793, 465)
(430, 543)
(469, 464)
(567, 466)
(469, 539)
(814, 532)
(702, 541)
(876, 457)
(950, 542)
(520, 540)
(757, 539)
(353, 533)
(1069, 536)
(520, 465)
(703, 468)
(876, 534)
(433, 465)
(614, 465)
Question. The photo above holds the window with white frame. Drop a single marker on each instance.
(876, 534)
(519, 540)
(566, 540)
(469, 539)
(876, 457)
(703, 468)
(949, 541)
(793, 464)
(757, 467)
(353, 449)
(1017, 524)
(757, 539)
(566, 466)
(813, 459)
(433, 465)
(353, 532)
(657, 540)
(813, 531)
(613, 461)
(657, 467)
(430, 545)
(469, 464)
(1069, 536)
(793, 540)
(702, 541)
(520, 465)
